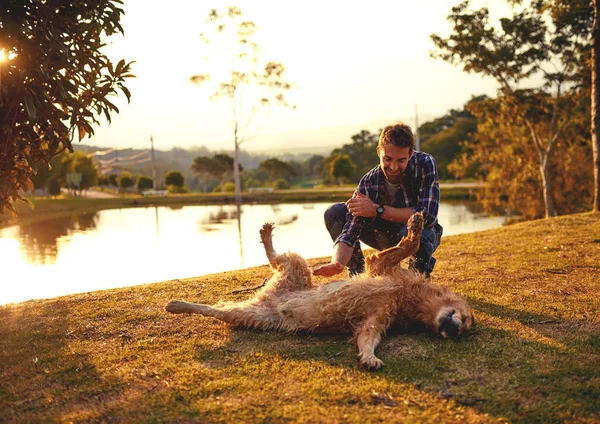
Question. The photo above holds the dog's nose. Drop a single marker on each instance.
(448, 327)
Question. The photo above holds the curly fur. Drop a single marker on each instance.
(385, 295)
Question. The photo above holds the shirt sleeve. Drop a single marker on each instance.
(354, 225)
(428, 200)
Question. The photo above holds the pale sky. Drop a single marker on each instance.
(354, 65)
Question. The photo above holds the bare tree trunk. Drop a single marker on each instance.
(236, 174)
(547, 190)
(595, 105)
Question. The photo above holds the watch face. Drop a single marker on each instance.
(380, 210)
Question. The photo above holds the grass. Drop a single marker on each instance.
(117, 356)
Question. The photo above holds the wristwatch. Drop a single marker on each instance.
(379, 211)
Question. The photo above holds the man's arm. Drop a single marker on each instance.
(341, 256)
(365, 207)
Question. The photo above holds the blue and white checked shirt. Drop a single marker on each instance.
(419, 191)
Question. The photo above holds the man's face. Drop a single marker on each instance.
(393, 161)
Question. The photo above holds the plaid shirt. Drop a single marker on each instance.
(419, 191)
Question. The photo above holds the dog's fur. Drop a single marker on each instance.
(368, 304)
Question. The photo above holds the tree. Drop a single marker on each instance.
(81, 163)
(246, 85)
(55, 82)
(219, 166)
(500, 153)
(206, 167)
(113, 180)
(533, 42)
(595, 105)
(174, 178)
(144, 183)
(125, 181)
(53, 186)
(362, 151)
(342, 168)
(277, 168)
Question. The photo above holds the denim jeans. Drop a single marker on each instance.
(382, 234)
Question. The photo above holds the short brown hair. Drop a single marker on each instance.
(399, 135)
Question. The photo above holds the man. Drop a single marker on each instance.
(404, 182)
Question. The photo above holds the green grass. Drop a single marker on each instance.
(117, 356)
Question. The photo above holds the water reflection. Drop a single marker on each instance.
(118, 248)
(39, 241)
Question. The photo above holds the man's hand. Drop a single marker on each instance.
(361, 206)
(329, 269)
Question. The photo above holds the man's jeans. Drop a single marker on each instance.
(380, 235)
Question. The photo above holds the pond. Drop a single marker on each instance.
(125, 247)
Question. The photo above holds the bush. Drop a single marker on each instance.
(281, 184)
(228, 187)
(174, 189)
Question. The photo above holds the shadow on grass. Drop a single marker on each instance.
(65, 381)
(513, 364)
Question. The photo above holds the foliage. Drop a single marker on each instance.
(81, 163)
(144, 183)
(53, 186)
(278, 169)
(443, 137)
(362, 152)
(534, 41)
(342, 168)
(219, 166)
(280, 184)
(503, 157)
(175, 189)
(174, 178)
(55, 83)
(248, 84)
(251, 182)
(113, 180)
(227, 187)
(125, 181)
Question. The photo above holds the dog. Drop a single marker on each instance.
(368, 304)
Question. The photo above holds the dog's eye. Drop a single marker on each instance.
(464, 319)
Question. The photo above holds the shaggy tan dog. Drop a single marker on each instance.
(385, 295)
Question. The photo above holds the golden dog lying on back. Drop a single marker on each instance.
(385, 295)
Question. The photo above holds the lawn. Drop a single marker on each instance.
(117, 356)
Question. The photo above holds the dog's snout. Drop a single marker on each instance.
(448, 326)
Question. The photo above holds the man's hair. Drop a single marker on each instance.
(399, 135)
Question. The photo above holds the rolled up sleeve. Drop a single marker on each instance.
(428, 200)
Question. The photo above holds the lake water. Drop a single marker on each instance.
(125, 247)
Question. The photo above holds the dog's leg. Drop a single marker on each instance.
(266, 237)
(241, 314)
(381, 263)
(368, 335)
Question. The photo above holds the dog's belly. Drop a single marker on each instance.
(333, 286)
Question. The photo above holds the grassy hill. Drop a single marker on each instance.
(117, 356)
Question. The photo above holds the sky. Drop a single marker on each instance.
(354, 65)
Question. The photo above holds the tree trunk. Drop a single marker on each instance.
(595, 105)
(236, 174)
(546, 190)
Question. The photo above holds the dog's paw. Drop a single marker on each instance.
(371, 362)
(176, 307)
(266, 230)
(415, 222)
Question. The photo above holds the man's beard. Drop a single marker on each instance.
(393, 178)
